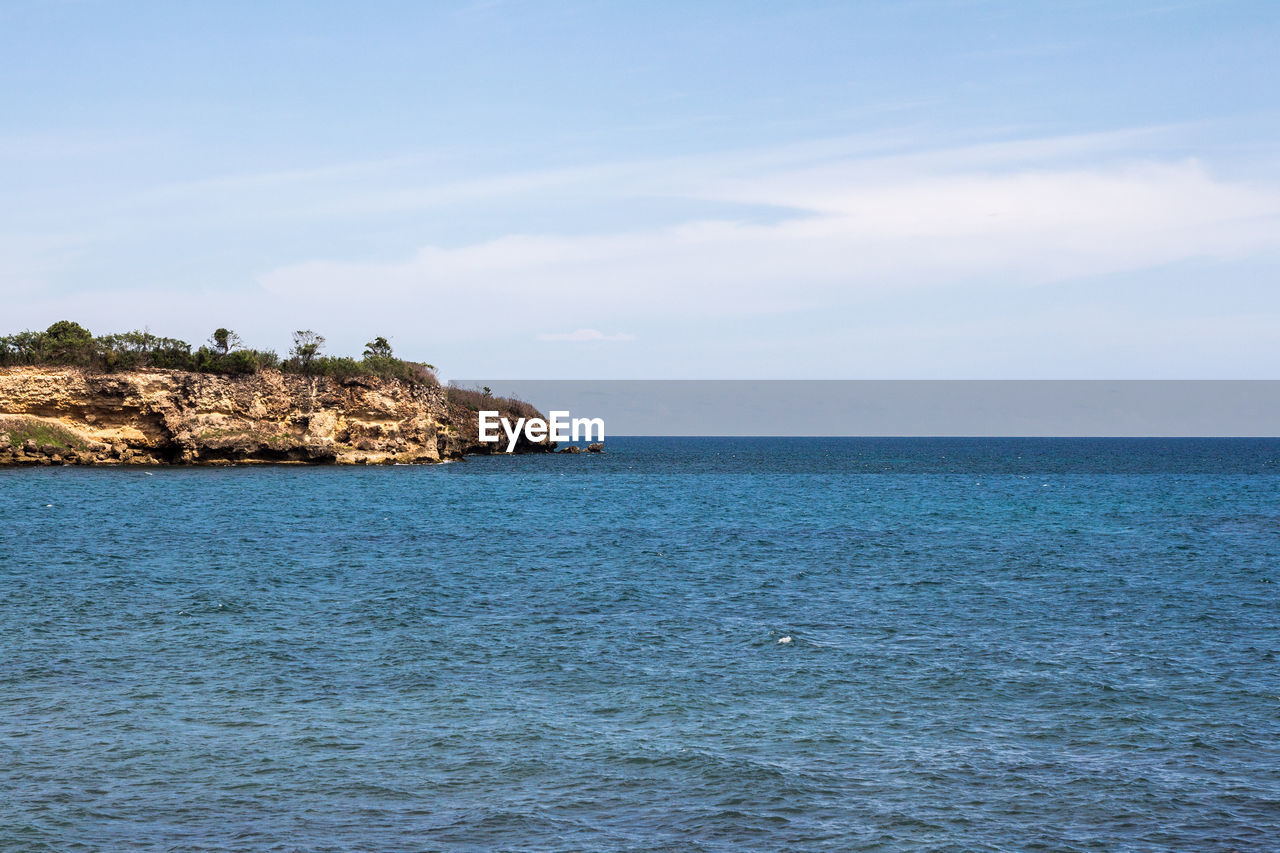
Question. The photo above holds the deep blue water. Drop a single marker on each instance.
(997, 645)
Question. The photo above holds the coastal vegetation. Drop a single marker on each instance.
(477, 400)
(68, 344)
(16, 430)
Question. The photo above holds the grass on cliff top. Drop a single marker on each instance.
(45, 434)
(470, 398)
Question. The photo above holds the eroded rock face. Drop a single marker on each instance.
(67, 416)
(462, 435)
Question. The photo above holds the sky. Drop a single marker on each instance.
(689, 190)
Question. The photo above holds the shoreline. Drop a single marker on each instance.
(70, 416)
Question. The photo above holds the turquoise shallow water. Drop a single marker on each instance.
(997, 645)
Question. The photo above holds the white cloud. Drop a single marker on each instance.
(811, 233)
(585, 335)
(856, 231)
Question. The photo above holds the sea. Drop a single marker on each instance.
(686, 644)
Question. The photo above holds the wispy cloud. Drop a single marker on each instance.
(856, 221)
(931, 221)
(582, 335)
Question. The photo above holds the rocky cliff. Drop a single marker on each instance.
(69, 416)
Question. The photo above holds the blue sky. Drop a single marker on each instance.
(960, 189)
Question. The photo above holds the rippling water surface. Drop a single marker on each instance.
(996, 644)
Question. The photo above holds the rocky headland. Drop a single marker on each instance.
(66, 415)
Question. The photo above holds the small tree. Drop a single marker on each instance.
(22, 348)
(306, 346)
(66, 342)
(379, 347)
(225, 340)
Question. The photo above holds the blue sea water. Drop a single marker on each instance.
(997, 644)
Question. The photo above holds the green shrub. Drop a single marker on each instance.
(68, 344)
(63, 343)
(413, 372)
(477, 400)
(136, 350)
